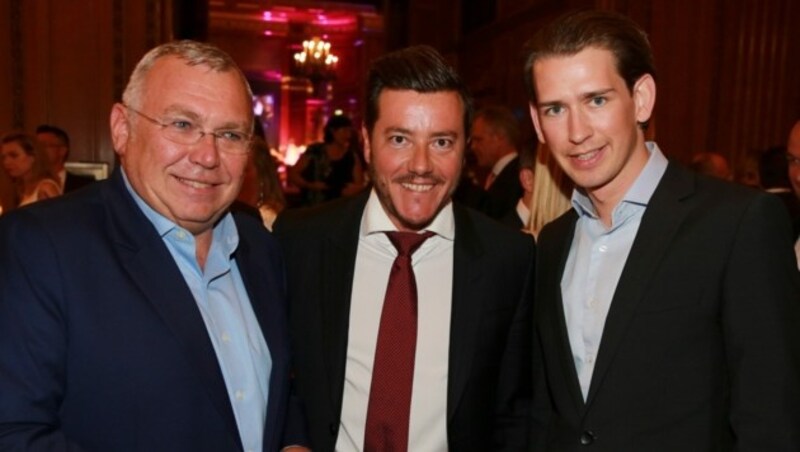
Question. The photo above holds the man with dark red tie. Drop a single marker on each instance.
(411, 315)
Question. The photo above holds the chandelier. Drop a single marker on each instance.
(315, 61)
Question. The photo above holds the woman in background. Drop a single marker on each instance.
(25, 163)
(261, 187)
(552, 191)
(330, 169)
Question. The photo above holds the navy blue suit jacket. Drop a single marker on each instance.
(102, 346)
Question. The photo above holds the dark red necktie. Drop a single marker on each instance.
(389, 406)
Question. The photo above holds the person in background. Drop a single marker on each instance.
(330, 169)
(26, 164)
(495, 140)
(712, 164)
(437, 363)
(261, 187)
(793, 160)
(747, 170)
(139, 314)
(667, 303)
(56, 142)
(550, 191)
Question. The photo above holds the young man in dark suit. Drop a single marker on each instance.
(667, 302)
(470, 365)
(139, 314)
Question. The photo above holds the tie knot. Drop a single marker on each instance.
(407, 242)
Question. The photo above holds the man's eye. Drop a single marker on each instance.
(181, 125)
(443, 143)
(554, 110)
(232, 135)
(397, 140)
(598, 101)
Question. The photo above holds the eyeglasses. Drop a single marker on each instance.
(183, 131)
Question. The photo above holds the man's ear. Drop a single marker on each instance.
(367, 144)
(644, 97)
(120, 128)
(535, 119)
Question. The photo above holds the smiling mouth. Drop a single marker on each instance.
(419, 188)
(588, 155)
(194, 183)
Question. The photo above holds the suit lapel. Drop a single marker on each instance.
(553, 323)
(468, 296)
(664, 214)
(150, 265)
(265, 291)
(339, 250)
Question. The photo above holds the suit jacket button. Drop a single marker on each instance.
(333, 428)
(587, 438)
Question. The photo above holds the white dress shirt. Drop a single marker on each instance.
(433, 269)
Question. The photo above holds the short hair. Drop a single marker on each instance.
(502, 121)
(418, 68)
(194, 53)
(576, 31)
(335, 123)
(56, 131)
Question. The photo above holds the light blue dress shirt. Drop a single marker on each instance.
(223, 302)
(595, 262)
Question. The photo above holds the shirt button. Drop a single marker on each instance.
(587, 438)
(225, 337)
(181, 235)
(603, 248)
(590, 359)
(239, 394)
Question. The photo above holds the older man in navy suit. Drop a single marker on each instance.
(139, 314)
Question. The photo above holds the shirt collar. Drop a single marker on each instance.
(639, 193)
(225, 232)
(502, 162)
(375, 220)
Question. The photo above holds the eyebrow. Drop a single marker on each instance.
(183, 111)
(584, 96)
(404, 131)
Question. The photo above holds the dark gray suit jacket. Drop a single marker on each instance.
(489, 382)
(700, 350)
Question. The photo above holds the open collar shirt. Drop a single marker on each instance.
(595, 262)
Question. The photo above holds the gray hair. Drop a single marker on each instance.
(193, 53)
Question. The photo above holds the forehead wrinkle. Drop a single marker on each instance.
(189, 113)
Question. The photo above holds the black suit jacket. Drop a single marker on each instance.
(700, 350)
(73, 181)
(489, 377)
(505, 191)
(102, 346)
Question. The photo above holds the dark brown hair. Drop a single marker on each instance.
(574, 32)
(418, 68)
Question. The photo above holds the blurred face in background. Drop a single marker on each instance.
(793, 156)
(482, 143)
(342, 136)
(16, 162)
(56, 150)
